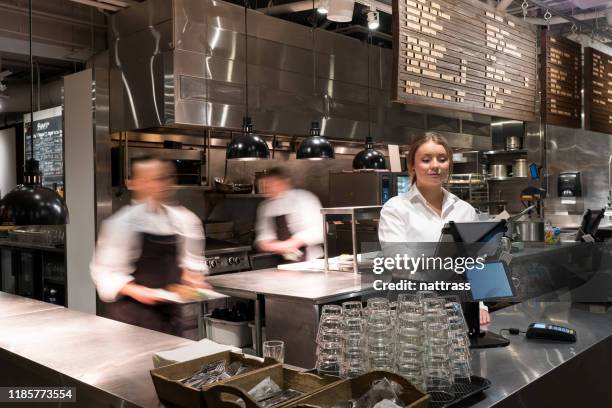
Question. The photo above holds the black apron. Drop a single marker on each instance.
(156, 268)
(283, 234)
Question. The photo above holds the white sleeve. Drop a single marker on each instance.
(309, 220)
(192, 240)
(392, 225)
(113, 261)
(264, 229)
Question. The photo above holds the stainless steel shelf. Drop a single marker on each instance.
(506, 152)
(506, 178)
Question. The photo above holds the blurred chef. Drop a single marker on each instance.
(145, 247)
(419, 214)
(289, 221)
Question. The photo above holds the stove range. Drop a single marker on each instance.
(226, 256)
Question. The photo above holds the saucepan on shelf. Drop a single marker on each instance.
(223, 185)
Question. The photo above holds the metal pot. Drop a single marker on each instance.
(513, 143)
(520, 168)
(529, 231)
(498, 170)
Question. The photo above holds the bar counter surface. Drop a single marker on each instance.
(47, 345)
(109, 361)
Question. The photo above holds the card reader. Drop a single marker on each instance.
(545, 331)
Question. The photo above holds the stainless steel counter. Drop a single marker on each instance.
(291, 301)
(13, 305)
(318, 287)
(108, 361)
(534, 373)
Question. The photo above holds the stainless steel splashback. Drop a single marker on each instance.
(584, 151)
(180, 64)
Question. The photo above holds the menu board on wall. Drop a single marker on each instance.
(463, 55)
(561, 81)
(597, 91)
(48, 144)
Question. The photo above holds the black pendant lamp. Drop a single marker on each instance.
(247, 146)
(369, 158)
(30, 203)
(315, 147)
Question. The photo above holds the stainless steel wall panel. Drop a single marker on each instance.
(585, 151)
(190, 27)
(140, 17)
(203, 77)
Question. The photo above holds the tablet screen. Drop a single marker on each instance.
(491, 282)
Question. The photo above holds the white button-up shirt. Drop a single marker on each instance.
(409, 218)
(119, 244)
(302, 210)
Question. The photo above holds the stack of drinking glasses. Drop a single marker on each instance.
(460, 342)
(438, 374)
(410, 325)
(380, 334)
(424, 339)
(329, 340)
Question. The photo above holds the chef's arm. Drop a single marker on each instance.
(140, 293)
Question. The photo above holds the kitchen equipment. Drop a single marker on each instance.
(219, 229)
(498, 170)
(545, 331)
(529, 231)
(223, 185)
(513, 143)
(189, 163)
(365, 188)
(520, 168)
(225, 256)
(569, 184)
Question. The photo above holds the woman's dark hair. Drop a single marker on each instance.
(421, 140)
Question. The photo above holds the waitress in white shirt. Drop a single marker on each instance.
(419, 214)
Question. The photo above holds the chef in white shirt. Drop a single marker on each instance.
(145, 247)
(289, 223)
(419, 214)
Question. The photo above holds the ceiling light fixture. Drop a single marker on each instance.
(315, 147)
(341, 11)
(323, 7)
(369, 158)
(30, 203)
(373, 19)
(247, 146)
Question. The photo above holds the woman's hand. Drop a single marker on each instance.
(485, 317)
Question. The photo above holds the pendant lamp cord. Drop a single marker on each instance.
(31, 85)
(369, 115)
(246, 57)
(314, 54)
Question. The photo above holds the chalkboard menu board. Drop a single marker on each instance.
(597, 91)
(561, 76)
(463, 55)
(48, 144)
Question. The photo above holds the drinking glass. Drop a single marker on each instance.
(327, 310)
(352, 309)
(274, 349)
(439, 383)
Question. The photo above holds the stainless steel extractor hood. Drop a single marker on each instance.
(180, 64)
